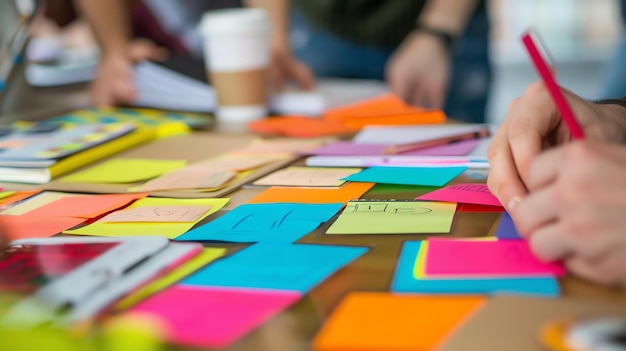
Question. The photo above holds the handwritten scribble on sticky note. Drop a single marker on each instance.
(394, 217)
(307, 176)
(158, 214)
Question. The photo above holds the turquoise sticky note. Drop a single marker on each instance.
(271, 222)
(428, 176)
(296, 267)
(405, 282)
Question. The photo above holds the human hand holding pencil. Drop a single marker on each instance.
(566, 196)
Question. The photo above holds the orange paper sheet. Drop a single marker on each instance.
(26, 227)
(385, 321)
(387, 109)
(299, 127)
(344, 194)
(85, 206)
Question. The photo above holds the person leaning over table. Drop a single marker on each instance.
(567, 198)
(421, 47)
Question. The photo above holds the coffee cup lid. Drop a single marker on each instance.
(233, 21)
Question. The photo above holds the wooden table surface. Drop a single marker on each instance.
(294, 328)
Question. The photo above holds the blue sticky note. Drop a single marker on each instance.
(271, 222)
(405, 282)
(297, 267)
(429, 176)
(506, 228)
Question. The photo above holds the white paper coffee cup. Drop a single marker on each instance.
(237, 55)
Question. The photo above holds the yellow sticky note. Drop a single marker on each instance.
(125, 170)
(194, 264)
(169, 230)
(419, 271)
(5, 194)
(394, 217)
(307, 176)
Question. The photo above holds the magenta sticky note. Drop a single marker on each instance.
(349, 148)
(463, 193)
(481, 258)
(214, 317)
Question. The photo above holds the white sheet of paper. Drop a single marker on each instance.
(394, 135)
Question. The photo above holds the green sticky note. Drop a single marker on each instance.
(125, 170)
(166, 229)
(394, 217)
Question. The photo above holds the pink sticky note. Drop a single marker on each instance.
(479, 258)
(214, 317)
(477, 194)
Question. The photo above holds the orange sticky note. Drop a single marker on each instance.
(25, 227)
(387, 109)
(299, 127)
(387, 104)
(345, 193)
(84, 206)
(385, 321)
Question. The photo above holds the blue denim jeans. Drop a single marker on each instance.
(331, 56)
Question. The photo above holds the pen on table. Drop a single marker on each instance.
(399, 148)
(548, 79)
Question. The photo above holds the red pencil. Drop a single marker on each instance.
(555, 91)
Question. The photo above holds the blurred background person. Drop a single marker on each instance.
(433, 53)
(614, 82)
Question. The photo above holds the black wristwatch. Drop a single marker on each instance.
(446, 38)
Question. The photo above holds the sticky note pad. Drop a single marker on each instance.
(382, 321)
(394, 217)
(410, 278)
(463, 193)
(503, 257)
(343, 194)
(430, 176)
(295, 267)
(210, 317)
(506, 228)
(307, 176)
(157, 214)
(169, 230)
(207, 255)
(124, 170)
(84, 206)
(275, 222)
(26, 227)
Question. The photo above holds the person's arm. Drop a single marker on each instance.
(283, 65)
(448, 16)
(110, 22)
(419, 70)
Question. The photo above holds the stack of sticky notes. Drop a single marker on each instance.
(474, 266)
(387, 109)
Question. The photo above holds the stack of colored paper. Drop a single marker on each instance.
(474, 266)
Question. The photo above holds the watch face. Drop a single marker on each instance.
(25, 268)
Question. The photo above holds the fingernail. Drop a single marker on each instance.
(514, 201)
